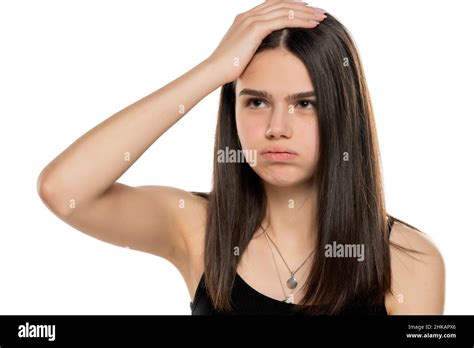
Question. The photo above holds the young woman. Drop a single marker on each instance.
(297, 227)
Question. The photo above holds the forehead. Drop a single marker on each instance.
(276, 71)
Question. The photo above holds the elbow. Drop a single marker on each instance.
(49, 192)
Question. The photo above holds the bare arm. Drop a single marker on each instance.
(79, 185)
(97, 159)
(418, 284)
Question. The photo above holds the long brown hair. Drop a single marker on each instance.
(351, 207)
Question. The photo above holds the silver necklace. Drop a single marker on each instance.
(291, 283)
(287, 298)
(290, 297)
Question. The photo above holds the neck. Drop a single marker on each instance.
(289, 217)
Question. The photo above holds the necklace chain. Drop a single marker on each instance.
(278, 273)
(288, 299)
(291, 272)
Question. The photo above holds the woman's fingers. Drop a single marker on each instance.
(286, 16)
(275, 1)
(284, 22)
(291, 14)
(272, 5)
(289, 6)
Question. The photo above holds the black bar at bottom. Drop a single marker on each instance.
(290, 330)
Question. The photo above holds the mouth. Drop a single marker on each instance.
(279, 154)
(275, 149)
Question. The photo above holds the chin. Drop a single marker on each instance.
(282, 178)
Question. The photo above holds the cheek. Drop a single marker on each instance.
(310, 139)
(250, 130)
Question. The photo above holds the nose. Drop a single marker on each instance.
(279, 125)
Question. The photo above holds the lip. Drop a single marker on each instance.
(279, 156)
(278, 153)
(277, 149)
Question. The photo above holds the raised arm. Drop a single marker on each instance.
(80, 187)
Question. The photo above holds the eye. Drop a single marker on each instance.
(255, 103)
(307, 103)
(250, 103)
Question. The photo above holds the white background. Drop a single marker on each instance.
(65, 66)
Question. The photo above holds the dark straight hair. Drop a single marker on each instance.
(350, 199)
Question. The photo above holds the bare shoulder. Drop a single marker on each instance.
(418, 278)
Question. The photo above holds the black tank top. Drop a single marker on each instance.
(248, 301)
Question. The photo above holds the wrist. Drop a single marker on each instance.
(214, 70)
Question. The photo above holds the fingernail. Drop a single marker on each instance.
(320, 15)
(313, 22)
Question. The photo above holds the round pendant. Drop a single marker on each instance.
(291, 282)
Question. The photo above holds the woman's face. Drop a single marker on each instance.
(277, 120)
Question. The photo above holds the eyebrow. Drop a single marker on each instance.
(265, 94)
